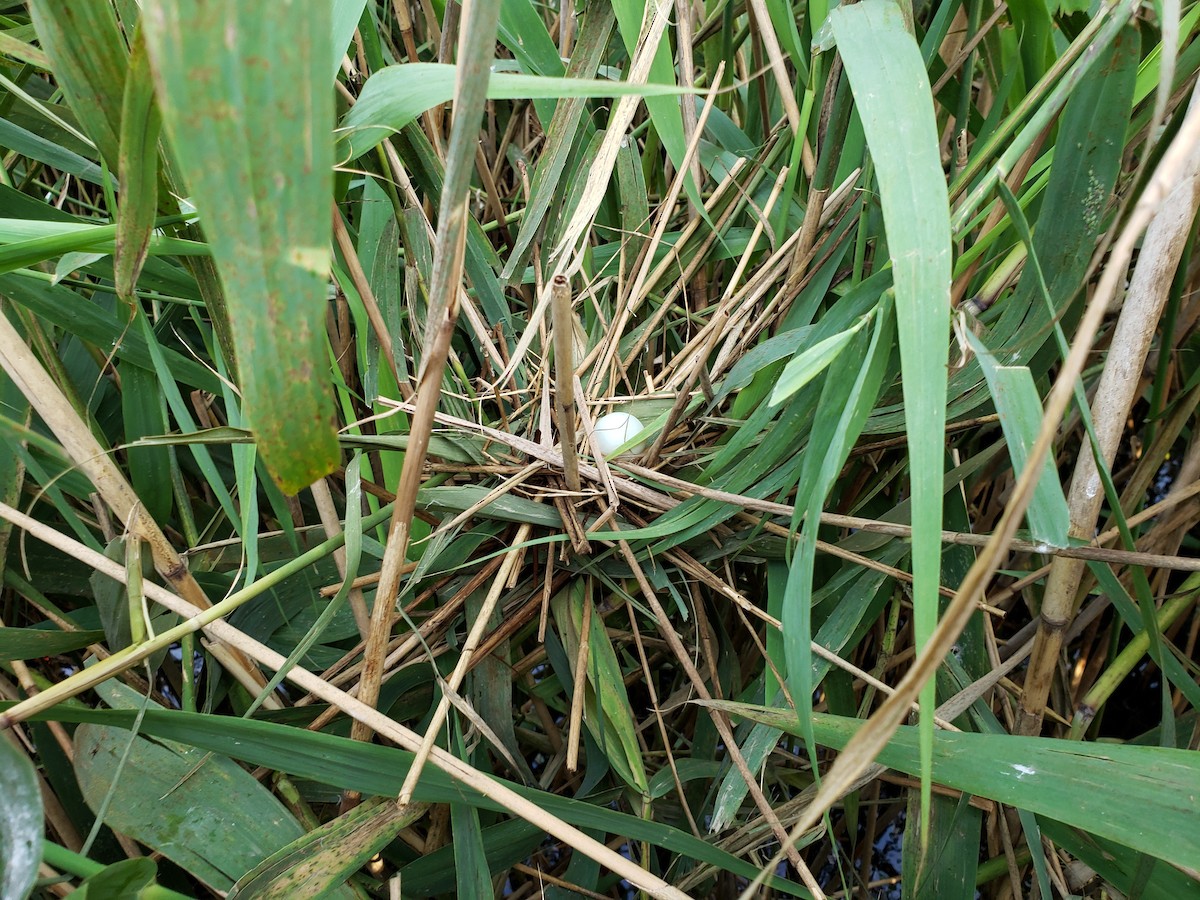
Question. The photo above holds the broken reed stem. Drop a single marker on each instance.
(580, 678)
(400, 528)
(333, 526)
(564, 378)
(476, 41)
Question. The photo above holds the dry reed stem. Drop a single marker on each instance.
(564, 377)
(819, 189)
(1168, 206)
(599, 174)
(575, 723)
(333, 527)
(602, 469)
(670, 259)
(621, 117)
(967, 48)
(685, 389)
(687, 68)
(479, 328)
(962, 538)
(628, 301)
(476, 40)
(400, 529)
(656, 707)
(720, 719)
(362, 581)
(501, 490)
(675, 366)
(787, 93)
(511, 561)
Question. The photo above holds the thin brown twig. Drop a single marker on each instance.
(720, 720)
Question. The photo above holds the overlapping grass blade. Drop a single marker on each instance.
(137, 170)
(888, 79)
(317, 862)
(220, 851)
(1020, 411)
(1060, 780)
(396, 96)
(88, 54)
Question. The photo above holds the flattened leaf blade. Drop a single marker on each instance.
(607, 712)
(395, 96)
(1020, 410)
(244, 93)
(123, 880)
(378, 770)
(176, 801)
(20, 822)
(31, 643)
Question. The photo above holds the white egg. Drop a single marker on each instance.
(614, 430)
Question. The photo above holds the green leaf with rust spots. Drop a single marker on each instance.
(327, 856)
(137, 164)
(246, 100)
